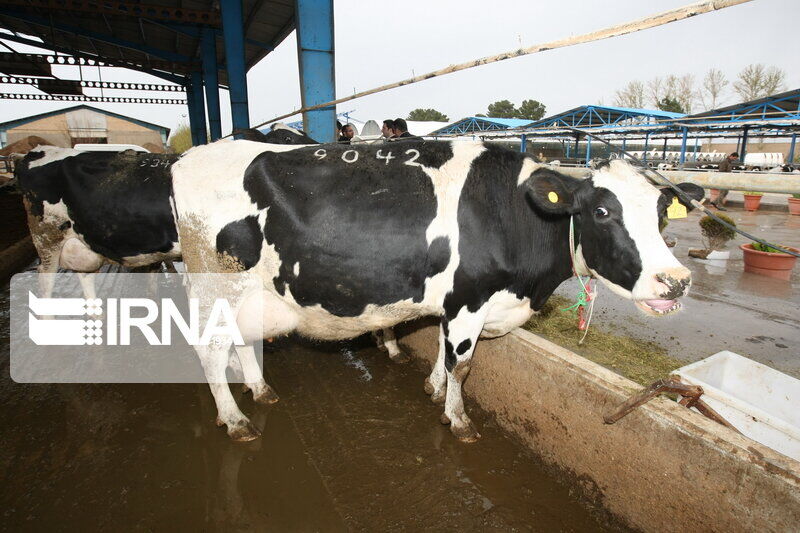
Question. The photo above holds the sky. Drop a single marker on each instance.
(379, 42)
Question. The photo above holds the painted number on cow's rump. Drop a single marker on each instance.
(321, 153)
(388, 157)
(412, 162)
(352, 158)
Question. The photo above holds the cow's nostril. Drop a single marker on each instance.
(673, 287)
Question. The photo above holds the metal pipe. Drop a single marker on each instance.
(211, 79)
(782, 182)
(233, 34)
(646, 142)
(523, 143)
(791, 148)
(588, 150)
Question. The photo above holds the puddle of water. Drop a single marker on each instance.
(354, 444)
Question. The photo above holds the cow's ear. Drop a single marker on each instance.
(695, 192)
(552, 192)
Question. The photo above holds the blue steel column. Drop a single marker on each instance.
(791, 148)
(588, 149)
(190, 104)
(646, 142)
(683, 146)
(233, 33)
(212, 83)
(315, 52)
(743, 150)
(695, 148)
(199, 123)
(523, 143)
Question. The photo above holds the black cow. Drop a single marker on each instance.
(340, 240)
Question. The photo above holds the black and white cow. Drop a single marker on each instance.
(334, 241)
(86, 209)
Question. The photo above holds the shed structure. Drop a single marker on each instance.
(85, 124)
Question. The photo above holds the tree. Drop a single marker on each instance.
(670, 104)
(531, 109)
(710, 93)
(424, 115)
(684, 93)
(757, 81)
(181, 139)
(632, 95)
(502, 109)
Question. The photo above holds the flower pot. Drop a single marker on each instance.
(752, 201)
(767, 263)
(794, 206)
(713, 194)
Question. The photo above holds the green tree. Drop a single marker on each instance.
(425, 115)
(531, 109)
(502, 109)
(181, 139)
(670, 104)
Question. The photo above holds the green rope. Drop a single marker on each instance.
(582, 301)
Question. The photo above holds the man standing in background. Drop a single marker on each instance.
(726, 165)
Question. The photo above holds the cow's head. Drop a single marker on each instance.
(617, 214)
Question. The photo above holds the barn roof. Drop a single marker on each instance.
(25, 120)
(160, 36)
(477, 124)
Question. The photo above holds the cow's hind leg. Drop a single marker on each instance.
(214, 359)
(436, 383)
(460, 335)
(253, 377)
(395, 353)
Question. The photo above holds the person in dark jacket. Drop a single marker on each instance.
(401, 130)
(387, 130)
(726, 165)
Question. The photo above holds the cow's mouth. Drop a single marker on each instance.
(658, 307)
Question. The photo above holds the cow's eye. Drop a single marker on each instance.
(600, 211)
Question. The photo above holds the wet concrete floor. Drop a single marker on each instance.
(727, 308)
(354, 444)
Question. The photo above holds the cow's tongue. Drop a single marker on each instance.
(660, 305)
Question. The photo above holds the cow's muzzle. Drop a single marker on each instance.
(667, 286)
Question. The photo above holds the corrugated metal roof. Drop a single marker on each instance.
(24, 120)
(165, 41)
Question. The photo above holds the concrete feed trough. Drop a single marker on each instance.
(661, 468)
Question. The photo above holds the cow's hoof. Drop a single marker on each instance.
(428, 386)
(400, 358)
(244, 432)
(438, 397)
(466, 433)
(444, 419)
(267, 397)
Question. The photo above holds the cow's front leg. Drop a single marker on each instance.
(214, 359)
(253, 376)
(460, 335)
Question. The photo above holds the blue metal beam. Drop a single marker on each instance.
(523, 143)
(743, 150)
(197, 111)
(233, 32)
(791, 148)
(209, 54)
(97, 36)
(315, 50)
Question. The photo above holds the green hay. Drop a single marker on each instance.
(641, 361)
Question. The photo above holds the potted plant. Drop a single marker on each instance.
(715, 237)
(752, 200)
(768, 261)
(794, 204)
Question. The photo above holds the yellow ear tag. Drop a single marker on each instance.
(553, 197)
(676, 209)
